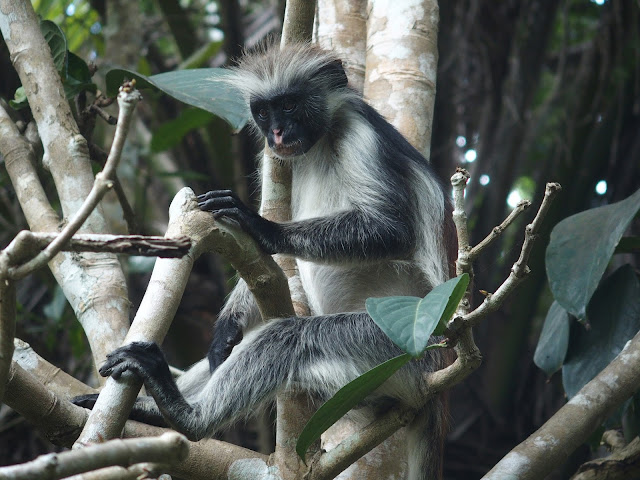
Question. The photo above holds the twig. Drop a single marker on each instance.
(519, 270)
(107, 117)
(140, 245)
(100, 156)
(497, 231)
(127, 100)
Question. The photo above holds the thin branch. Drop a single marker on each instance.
(519, 270)
(331, 463)
(140, 245)
(106, 116)
(7, 328)
(127, 100)
(100, 156)
(497, 231)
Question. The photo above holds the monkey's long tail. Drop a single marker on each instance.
(425, 440)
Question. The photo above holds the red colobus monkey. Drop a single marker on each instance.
(369, 219)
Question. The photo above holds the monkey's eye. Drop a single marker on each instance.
(262, 114)
(288, 107)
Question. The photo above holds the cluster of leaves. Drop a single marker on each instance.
(590, 320)
(73, 70)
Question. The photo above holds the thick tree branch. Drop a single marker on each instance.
(571, 426)
(170, 447)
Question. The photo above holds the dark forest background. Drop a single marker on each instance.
(528, 92)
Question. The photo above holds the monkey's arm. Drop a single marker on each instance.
(361, 234)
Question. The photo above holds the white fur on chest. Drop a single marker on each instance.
(318, 187)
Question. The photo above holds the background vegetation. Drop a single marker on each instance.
(529, 91)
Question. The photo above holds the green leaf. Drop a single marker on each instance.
(580, 249)
(614, 315)
(460, 284)
(410, 321)
(58, 45)
(554, 340)
(171, 133)
(345, 399)
(203, 88)
(19, 99)
(78, 77)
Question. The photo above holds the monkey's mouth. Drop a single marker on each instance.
(288, 150)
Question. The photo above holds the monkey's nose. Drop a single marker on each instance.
(277, 136)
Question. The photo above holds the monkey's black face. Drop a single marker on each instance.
(291, 122)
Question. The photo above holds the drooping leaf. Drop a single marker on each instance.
(410, 321)
(580, 249)
(202, 88)
(345, 399)
(554, 340)
(58, 44)
(614, 317)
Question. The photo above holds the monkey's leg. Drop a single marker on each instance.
(315, 354)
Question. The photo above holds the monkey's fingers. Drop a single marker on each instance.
(214, 194)
(86, 401)
(217, 203)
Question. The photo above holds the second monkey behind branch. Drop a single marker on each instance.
(369, 219)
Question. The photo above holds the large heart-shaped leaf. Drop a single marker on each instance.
(410, 321)
(580, 249)
(204, 88)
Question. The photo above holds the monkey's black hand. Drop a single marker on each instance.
(140, 411)
(225, 204)
(144, 359)
(86, 401)
(226, 335)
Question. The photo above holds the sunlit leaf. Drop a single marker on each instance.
(203, 88)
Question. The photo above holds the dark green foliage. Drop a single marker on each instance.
(554, 340)
(74, 72)
(614, 318)
(580, 249)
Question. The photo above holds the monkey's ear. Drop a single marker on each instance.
(335, 74)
